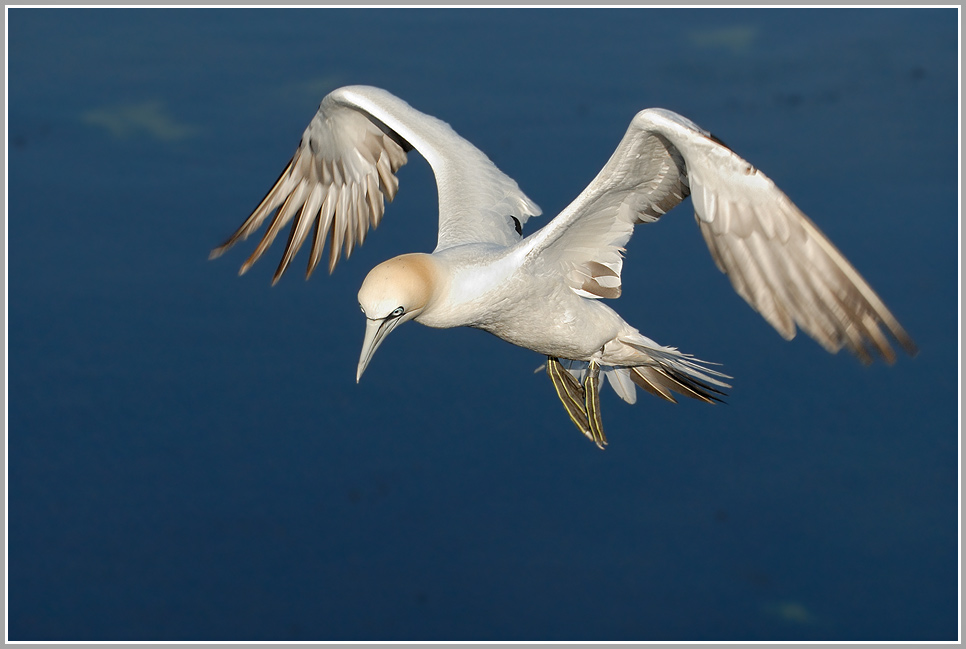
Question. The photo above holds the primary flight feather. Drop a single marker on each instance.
(544, 292)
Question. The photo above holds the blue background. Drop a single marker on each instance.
(190, 458)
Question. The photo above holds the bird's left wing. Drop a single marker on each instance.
(347, 162)
(775, 257)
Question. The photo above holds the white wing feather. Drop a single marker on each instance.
(775, 257)
(346, 164)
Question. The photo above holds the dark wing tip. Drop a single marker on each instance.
(905, 341)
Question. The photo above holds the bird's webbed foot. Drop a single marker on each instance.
(592, 403)
(582, 402)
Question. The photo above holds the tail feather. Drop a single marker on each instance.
(653, 381)
(664, 371)
(682, 384)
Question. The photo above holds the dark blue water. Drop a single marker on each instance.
(190, 458)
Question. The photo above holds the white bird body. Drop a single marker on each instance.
(544, 292)
(489, 288)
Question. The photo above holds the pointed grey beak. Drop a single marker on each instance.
(376, 332)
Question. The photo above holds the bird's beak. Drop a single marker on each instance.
(376, 332)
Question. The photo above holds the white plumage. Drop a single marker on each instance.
(544, 292)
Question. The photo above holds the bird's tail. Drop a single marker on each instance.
(661, 371)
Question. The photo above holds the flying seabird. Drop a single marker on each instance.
(545, 291)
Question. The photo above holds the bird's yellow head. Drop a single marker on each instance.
(392, 293)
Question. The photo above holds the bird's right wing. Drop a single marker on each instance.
(347, 162)
(775, 257)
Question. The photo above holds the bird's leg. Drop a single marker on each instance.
(592, 401)
(571, 395)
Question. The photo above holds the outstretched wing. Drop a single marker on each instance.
(346, 164)
(775, 257)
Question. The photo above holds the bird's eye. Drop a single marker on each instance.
(398, 311)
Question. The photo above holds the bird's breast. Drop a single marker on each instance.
(537, 312)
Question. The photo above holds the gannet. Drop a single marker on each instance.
(545, 291)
